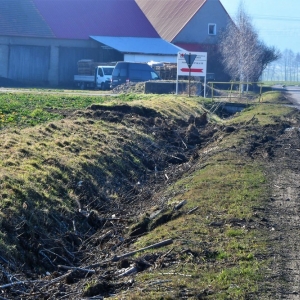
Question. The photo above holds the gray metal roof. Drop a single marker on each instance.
(138, 45)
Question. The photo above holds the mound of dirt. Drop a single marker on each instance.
(131, 87)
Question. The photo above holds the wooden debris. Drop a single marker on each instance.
(157, 245)
(19, 283)
(192, 210)
(159, 282)
(57, 279)
(76, 268)
(186, 275)
(128, 271)
(180, 205)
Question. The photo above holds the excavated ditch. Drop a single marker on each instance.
(56, 263)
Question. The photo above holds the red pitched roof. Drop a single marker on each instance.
(78, 19)
(169, 17)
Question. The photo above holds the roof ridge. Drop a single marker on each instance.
(188, 20)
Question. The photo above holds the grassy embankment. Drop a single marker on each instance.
(48, 145)
(212, 255)
(214, 258)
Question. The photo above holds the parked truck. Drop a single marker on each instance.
(96, 75)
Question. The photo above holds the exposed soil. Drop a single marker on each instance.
(98, 252)
(282, 214)
(132, 87)
(279, 148)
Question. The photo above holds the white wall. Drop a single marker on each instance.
(147, 58)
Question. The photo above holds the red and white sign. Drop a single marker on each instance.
(198, 67)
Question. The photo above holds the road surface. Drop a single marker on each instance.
(292, 93)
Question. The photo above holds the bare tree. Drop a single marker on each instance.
(243, 54)
(287, 61)
(297, 65)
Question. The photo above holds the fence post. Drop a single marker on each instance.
(260, 91)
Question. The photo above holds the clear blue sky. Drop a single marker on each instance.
(276, 21)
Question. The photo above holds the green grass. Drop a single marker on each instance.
(31, 109)
(265, 111)
(227, 188)
(271, 83)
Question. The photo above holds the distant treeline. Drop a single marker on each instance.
(286, 68)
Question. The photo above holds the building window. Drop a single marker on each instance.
(212, 29)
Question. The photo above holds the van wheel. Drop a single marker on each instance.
(102, 86)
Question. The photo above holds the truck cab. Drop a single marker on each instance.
(92, 74)
(103, 77)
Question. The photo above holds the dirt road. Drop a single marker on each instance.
(284, 208)
(293, 93)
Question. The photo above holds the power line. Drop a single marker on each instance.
(285, 31)
(277, 18)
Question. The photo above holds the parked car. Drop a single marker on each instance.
(125, 72)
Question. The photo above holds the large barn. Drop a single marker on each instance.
(42, 40)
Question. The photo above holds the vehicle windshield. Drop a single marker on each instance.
(108, 71)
